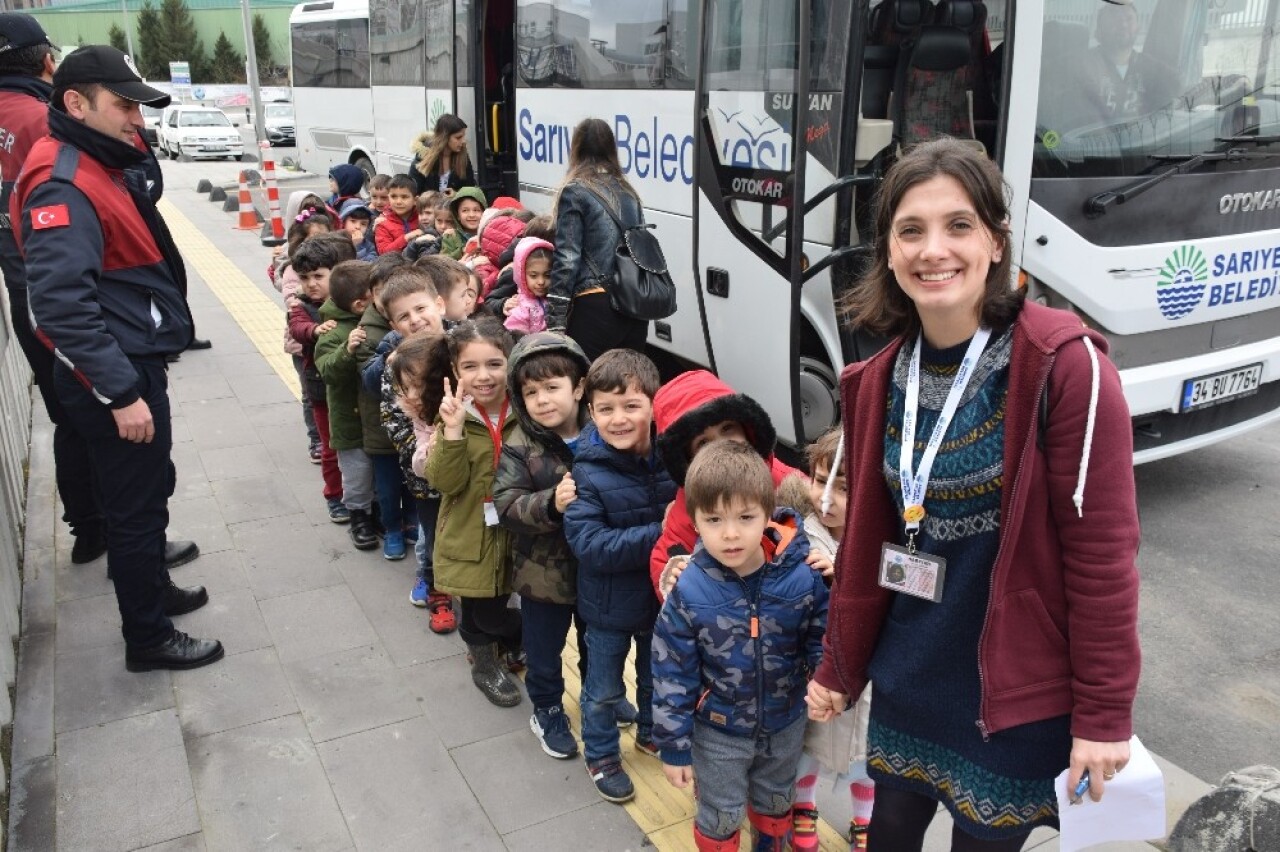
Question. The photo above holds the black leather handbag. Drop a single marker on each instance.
(642, 287)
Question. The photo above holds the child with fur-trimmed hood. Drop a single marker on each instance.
(690, 411)
(533, 281)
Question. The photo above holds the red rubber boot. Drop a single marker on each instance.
(709, 844)
(770, 833)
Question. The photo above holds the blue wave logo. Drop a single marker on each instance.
(1182, 281)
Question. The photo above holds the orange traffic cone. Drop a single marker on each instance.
(248, 215)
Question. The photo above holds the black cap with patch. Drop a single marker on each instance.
(18, 31)
(109, 68)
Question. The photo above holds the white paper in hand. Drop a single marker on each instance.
(1132, 806)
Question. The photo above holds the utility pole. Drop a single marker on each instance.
(251, 59)
(128, 30)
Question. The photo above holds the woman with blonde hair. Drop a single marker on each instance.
(440, 159)
(594, 197)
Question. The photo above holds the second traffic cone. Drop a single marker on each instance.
(248, 215)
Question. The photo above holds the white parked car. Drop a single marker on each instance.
(199, 132)
(151, 124)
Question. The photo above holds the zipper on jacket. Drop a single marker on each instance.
(991, 583)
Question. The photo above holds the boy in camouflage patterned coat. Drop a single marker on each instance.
(531, 490)
(733, 649)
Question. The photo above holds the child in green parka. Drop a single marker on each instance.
(335, 361)
(472, 557)
(467, 206)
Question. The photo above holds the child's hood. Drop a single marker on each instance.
(294, 204)
(527, 347)
(695, 400)
(497, 234)
(475, 193)
(350, 179)
(524, 248)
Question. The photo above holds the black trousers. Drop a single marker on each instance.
(72, 470)
(134, 484)
(597, 327)
(487, 620)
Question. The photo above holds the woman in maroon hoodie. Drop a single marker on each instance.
(993, 606)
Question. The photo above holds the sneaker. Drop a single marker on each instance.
(625, 713)
(644, 745)
(339, 513)
(804, 829)
(551, 727)
(361, 531)
(442, 618)
(393, 548)
(314, 452)
(418, 597)
(858, 835)
(611, 780)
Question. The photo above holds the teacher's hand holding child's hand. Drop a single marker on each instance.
(824, 704)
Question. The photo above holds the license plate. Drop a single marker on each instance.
(215, 147)
(1210, 390)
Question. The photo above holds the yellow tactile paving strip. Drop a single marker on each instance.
(662, 812)
(254, 311)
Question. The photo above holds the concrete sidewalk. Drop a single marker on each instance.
(337, 719)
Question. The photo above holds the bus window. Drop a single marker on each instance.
(610, 44)
(396, 42)
(1121, 84)
(331, 54)
(436, 15)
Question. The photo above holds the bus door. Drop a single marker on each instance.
(486, 90)
(398, 74)
(773, 200)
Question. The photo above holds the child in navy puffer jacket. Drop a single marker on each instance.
(733, 649)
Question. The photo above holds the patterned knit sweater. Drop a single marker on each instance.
(923, 735)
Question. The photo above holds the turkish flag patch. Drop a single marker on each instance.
(53, 216)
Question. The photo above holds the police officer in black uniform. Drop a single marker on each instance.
(107, 294)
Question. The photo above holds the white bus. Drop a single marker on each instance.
(1136, 138)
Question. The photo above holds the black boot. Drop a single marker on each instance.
(180, 601)
(489, 674)
(361, 530)
(179, 651)
(180, 553)
(90, 544)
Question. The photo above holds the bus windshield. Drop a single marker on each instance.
(1124, 84)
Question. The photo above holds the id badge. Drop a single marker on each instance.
(490, 514)
(917, 574)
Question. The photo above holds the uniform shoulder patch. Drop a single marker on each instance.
(53, 216)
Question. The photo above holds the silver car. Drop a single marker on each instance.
(280, 124)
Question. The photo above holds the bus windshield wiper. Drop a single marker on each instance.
(1257, 140)
(1180, 164)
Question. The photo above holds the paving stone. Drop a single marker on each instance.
(398, 788)
(457, 720)
(192, 482)
(350, 691)
(237, 462)
(244, 364)
(276, 417)
(315, 623)
(238, 690)
(260, 389)
(285, 555)
(199, 520)
(382, 588)
(192, 367)
(219, 571)
(308, 491)
(181, 431)
(92, 688)
(190, 843)
(518, 784)
(199, 388)
(88, 623)
(39, 590)
(231, 616)
(124, 785)
(33, 804)
(73, 582)
(602, 825)
(218, 423)
(254, 497)
(33, 699)
(262, 786)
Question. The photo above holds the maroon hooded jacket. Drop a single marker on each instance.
(1060, 634)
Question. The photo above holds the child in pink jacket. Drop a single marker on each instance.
(533, 280)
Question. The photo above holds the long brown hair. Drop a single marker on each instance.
(446, 126)
(593, 162)
(422, 361)
(877, 304)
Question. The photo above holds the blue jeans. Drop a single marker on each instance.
(428, 513)
(393, 496)
(603, 687)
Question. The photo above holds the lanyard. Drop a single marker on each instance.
(914, 485)
(495, 432)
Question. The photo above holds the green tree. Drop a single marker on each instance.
(117, 39)
(151, 60)
(227, 66)
(262, 49)
(181, 43)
